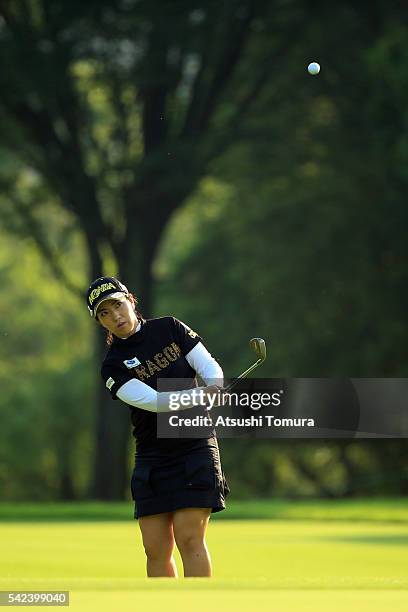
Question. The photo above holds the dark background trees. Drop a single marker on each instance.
(184, 147)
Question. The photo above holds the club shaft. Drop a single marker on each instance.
(243, 374)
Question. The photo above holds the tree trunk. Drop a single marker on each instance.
(67, 491)
(111, 460)
(110, 474)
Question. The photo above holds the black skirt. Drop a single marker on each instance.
(190, 478)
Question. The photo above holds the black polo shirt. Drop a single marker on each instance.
(156, 351)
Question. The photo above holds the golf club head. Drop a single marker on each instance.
(259, 347)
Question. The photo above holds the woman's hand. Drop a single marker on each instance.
(214, 396)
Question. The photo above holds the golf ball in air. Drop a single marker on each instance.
(313, 68)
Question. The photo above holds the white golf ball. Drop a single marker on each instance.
(313, 68)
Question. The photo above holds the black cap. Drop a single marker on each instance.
(104, 288)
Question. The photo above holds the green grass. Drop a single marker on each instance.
(389, 510)
(293, 565)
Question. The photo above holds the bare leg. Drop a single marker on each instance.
(158, 542)
(189, 526)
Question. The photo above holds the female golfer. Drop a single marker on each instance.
(176, 482)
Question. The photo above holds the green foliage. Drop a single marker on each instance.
(112, 113)
(307, 248)
(46, 378)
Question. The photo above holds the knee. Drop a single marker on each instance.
(158, 549)
(189, 542)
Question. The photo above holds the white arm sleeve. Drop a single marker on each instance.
(136, 393)
(205, 365)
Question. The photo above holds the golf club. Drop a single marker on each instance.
(259, 347)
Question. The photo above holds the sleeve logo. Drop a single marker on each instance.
(190, 332)
(109, 383)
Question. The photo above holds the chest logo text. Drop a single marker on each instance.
(158, 362)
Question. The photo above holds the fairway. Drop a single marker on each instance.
(258, 565)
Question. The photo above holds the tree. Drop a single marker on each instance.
(321, 241)
(116, 109)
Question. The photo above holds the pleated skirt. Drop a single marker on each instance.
(190, 478)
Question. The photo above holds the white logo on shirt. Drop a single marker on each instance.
(109, 383)
(131, 363)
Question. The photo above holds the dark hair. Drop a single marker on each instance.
(109, 335)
